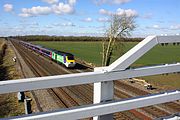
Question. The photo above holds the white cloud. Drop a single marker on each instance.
(156, 26)
(8, 7)
(35, 23)
(62, 8)
(128, 12)
(72, 2)
(111, 1)
(24, 24)
(24, 15)
(63, 24)
(88, 19)
(51, 1)
(105, 12)
(48, 26)
(119, 11)
(175, 27)
(35, 11)
(103, 20)
(68, 24)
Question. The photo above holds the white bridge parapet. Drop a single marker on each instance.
(139, 50)
(104, 107)
(116, 71)
(83, 78)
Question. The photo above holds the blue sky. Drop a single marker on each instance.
(86, 17)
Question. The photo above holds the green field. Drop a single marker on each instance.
(88, 51)
(91, 52)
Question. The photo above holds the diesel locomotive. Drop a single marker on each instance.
(67, 59)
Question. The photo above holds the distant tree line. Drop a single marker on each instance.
(68, 38)
(2, 37)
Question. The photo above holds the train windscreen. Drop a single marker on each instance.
(70, 57)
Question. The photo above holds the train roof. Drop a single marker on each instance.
(58, 52)
(62, 53)
(50, 49)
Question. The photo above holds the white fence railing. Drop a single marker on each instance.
(116, 71)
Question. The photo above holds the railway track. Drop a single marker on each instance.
(171, 107)
(82, 94)
(39, 71)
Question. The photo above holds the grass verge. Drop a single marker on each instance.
(9, 105)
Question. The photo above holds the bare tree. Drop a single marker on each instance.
(120, 27)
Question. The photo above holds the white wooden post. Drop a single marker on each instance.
(103, 92)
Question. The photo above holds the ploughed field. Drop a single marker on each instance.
(91, 52)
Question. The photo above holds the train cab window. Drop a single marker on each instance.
(70, 57)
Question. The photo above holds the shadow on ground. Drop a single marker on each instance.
(80, 66)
